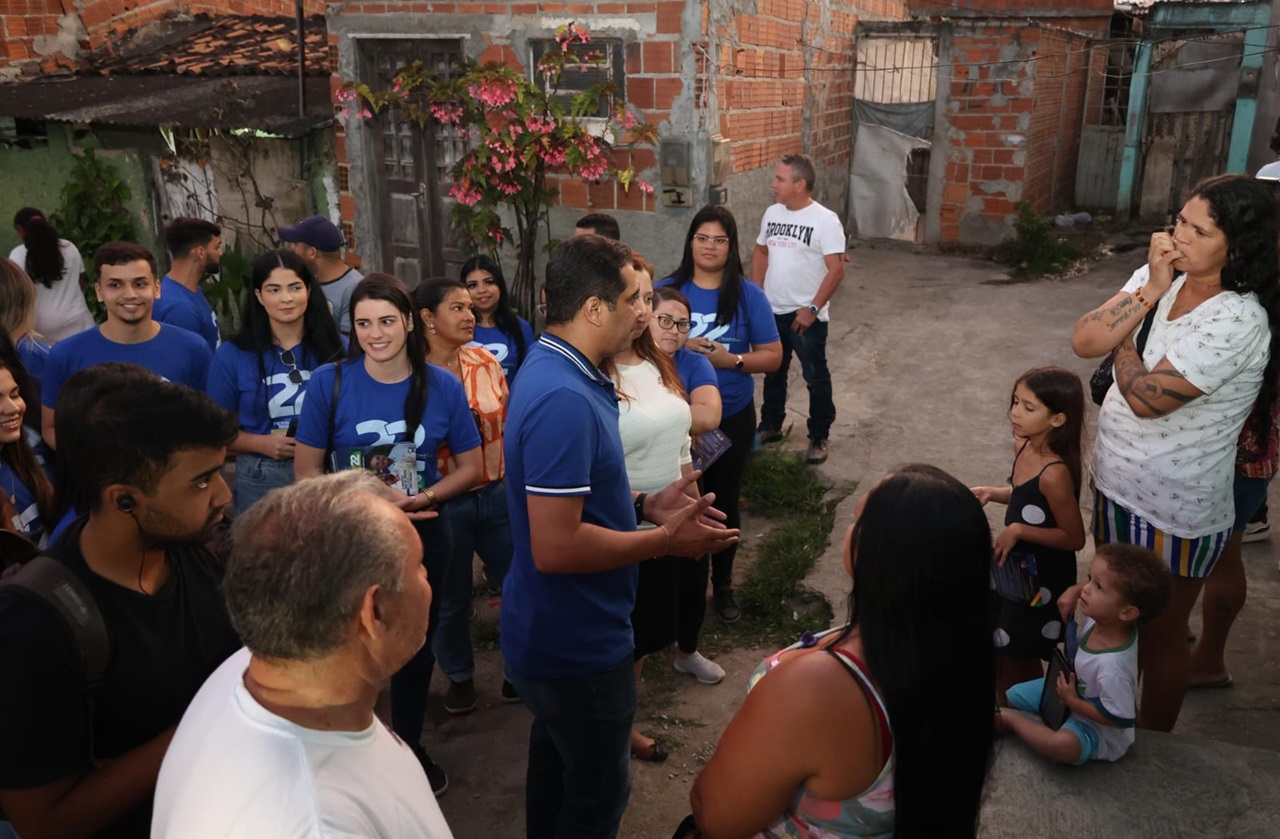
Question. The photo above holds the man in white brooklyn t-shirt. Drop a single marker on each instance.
(799, 259)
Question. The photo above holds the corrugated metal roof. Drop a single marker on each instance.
(232, 72)
(268, 103)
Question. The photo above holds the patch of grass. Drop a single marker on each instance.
(792, 495)
(1037, 250)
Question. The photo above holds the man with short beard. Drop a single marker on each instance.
(80, 761)
(195, 248)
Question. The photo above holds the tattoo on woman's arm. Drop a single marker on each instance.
(1148, 386)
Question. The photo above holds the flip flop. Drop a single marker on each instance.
(1224, 681)
(652, 754)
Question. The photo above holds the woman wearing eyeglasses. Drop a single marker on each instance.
(262, 373)
(733, 326)
(477, 517)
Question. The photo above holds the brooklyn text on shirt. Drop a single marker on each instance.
(801, 232)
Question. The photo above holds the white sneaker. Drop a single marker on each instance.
(700, 667)
(1256, 531)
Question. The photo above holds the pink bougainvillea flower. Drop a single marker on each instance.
(645, 186)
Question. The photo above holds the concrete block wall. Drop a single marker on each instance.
(1014, 115)
(44, 36)
(771, 76)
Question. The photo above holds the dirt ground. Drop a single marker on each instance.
(924, 350)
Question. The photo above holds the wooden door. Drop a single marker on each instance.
(411, 166)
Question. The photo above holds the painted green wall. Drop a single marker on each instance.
(34, 177)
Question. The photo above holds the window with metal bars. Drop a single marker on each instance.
(578, 77)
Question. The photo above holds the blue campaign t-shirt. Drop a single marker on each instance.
(695, 370)
(174, 355)
(263, 404)
(504, 346)
(371, 413)
(752, 324)
(561, 440)
(179, 306)
(28, 520)
(34, 355)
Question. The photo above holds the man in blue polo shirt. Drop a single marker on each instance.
(128, 288)
(195, 250)
(567, 600)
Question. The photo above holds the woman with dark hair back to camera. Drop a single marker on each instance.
(881, 727)
(261, 374)
(388, 395)
(1163, 463)
(498, 328)
(734, 328)
(55, 266)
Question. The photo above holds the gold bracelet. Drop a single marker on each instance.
(431, 498)
(1138, 294)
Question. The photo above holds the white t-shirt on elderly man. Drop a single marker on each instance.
(234, 769)
(1176, 471)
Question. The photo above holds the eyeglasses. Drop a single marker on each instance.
(287, 359)
(682, 326)
(542, 309)
(718, 241)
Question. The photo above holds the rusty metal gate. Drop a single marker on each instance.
(1190, 111)
(895, 89)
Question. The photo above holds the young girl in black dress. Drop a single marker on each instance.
(1043, 525)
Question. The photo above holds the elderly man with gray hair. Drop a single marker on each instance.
(326, 587)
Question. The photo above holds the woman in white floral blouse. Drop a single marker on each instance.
(1164, 459)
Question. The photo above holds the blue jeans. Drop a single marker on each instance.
(480, 525)
(409, 686)
(579, 775)
(256, 476)
(811, 348)
(1250, 494)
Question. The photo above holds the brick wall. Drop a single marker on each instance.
(42, 36)
(781, 74)
(1053, 143)
(1014, 114)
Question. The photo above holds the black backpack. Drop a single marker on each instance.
(48, 580)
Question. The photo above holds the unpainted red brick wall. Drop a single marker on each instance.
(1014, 114)
(1053, 144)
(786, 64)
(759, 79)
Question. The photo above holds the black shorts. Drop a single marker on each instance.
(654, 619)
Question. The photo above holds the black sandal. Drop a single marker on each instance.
(652, 754)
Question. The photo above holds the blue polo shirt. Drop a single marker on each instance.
(504, 347)
(562, 439)
(179, 306)
(174, 355)
(753, 323)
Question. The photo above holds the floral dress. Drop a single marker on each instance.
(869, 813)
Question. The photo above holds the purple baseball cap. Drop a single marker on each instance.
(316, 231)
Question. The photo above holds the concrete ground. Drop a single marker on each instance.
(924, 350)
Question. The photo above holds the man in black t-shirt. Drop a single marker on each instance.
(79, 763)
